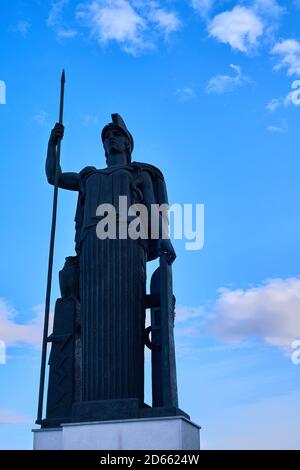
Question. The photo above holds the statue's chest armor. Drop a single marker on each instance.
(105, 187)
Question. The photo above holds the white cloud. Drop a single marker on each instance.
(203, 7)
(268, 8)
(273, 104)
(288, 51)
(168, 22)
(22, 27)
(292, 98)
(56, 12)
(133, 24)
(226, 83)
(188, 331)
(184, 313)
(240, 28)
(186, 94)
(14, 333)
(66, 33)
(56, 20)
(270, 312)
(264, 8)
(114, 20)
(89, 119)
(40, 117)
(187, 322)
(278, 129)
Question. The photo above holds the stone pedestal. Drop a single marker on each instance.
(167, 433)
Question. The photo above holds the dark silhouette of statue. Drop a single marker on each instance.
(97, 356)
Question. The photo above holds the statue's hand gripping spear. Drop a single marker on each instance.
(50, 261)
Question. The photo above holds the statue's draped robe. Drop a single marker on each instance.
(113, 282)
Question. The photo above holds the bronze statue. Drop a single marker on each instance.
(97, 357)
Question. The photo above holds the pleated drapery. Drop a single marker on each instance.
(113, 283)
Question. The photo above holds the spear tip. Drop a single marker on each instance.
(63, 76)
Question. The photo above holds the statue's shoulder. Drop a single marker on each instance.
(86, 171)
(153, 170)
(83, 175)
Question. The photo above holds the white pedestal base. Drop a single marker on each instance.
(170, 433)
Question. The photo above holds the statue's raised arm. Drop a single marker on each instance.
(67, 180)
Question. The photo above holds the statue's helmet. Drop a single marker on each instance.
(118, 123)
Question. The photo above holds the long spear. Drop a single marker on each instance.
(50, 260)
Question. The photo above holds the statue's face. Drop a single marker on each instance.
(115, 141)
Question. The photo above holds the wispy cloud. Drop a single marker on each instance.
(279, 128)
(132, 24)
(184, 313)
(288, 52)
(268, 8)
(40, 117)
(240, 28)
(66, 33)
(167, 21)
(55, 16)
(89, 119)
(57, 21)
(273, 104)
(225, 83)
(15, 333)
(203, 7)
(263, 8)
(186, 94)
(292, 98)
(22, 27)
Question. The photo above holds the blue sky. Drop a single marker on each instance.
(205, 88)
